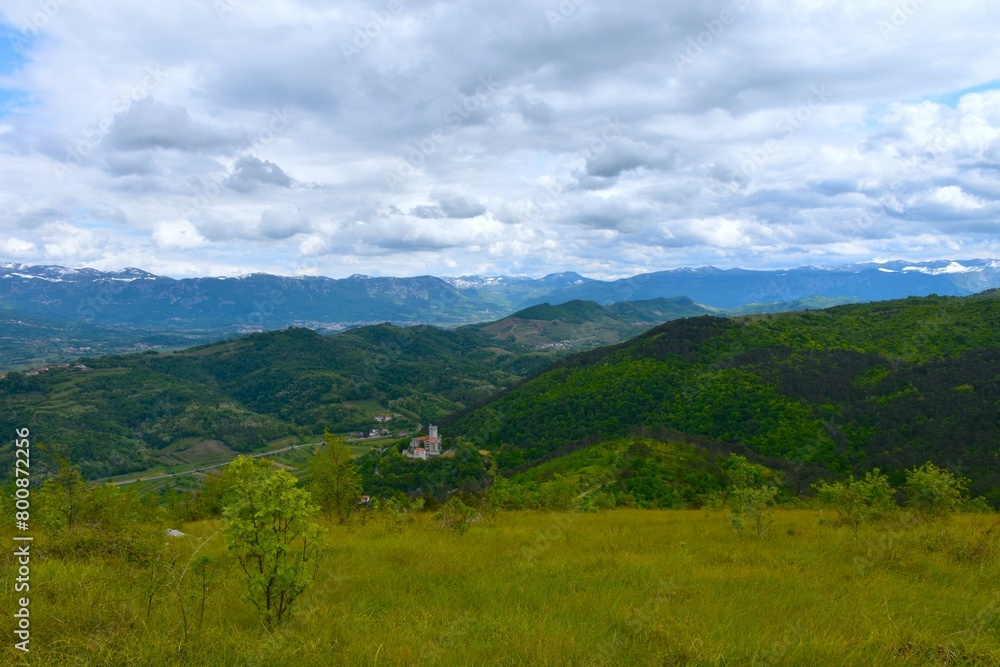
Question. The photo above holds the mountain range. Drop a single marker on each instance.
(737, 288)
(52, 314)
(136, 298)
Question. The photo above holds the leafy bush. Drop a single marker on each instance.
(103, 520)
(387, 516)
(270, 534)
(858, 501)
(456, 515)
(934, 492)
(749, 498)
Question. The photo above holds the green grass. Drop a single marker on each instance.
(281, 443)
(623, 587)
(179, 445)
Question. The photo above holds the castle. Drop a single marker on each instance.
(424, 447)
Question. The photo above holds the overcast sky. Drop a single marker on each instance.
(407, 137)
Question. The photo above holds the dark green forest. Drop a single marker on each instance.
(888, 385)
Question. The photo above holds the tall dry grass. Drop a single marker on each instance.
(622, 587)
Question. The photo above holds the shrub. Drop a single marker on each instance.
(387, 516)
(934, 492)
(748, 503)
(455, 515)
(559, 494)
(749, 499)
(270, 534)
(101, 520)
(859, 500)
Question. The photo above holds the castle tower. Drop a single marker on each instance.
(433, 441)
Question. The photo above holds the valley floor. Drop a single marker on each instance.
(622, 587)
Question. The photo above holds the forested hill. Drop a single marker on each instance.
(114, 414)
(888, 384)
(123, 413)
(581, 325)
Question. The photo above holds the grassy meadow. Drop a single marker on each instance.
(620, 587)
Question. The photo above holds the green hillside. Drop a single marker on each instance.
(129, 413)
(582, 325)
(116, 414)
(890, 384)
(634, 472)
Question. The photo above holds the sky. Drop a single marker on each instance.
(410, 137)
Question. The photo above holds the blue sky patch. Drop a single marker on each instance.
(952, 99)
(12, 48)
(12, 45)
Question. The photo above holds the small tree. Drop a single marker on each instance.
(104, 519)
(270, 534)
(749, 498)
(63, 497)
(859, 500)
(336, 484)
(561, 493)
(933, 491)
(497, 492)
(455, 515)
(206, 576)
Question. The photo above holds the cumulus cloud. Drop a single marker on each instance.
(625, 154)
(459, 208)
(63, 242)
(15, 247)
(535, 110)
(177, 235)
(249, 172)
(282, 224)
(952, 195)
(149, 123)
(393, 232)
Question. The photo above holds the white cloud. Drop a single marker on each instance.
(15, 247)
(70, 244)
(587, 148)
(177, 235)
(952, 195)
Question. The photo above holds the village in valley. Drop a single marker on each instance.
(380, 430)
(420, 448)
(426, 446)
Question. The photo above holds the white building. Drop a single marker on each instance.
(426, 446)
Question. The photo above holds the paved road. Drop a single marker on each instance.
(212, 467)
